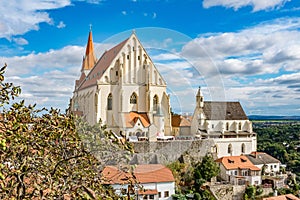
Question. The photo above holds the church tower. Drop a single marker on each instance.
(199, 99)
(89, 60)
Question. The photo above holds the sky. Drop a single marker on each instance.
(235, 50)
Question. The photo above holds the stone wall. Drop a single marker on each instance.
(165, 152)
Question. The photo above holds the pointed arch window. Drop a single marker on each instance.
(155, 103)
(109, 102)
(229, 150)
(133, 98)
(227, 126)
(243, 148)
(240, 125)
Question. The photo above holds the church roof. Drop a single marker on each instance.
(237, 162)
(132, 117)
(102, 65)
(215, 110)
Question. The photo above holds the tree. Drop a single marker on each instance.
(42, 155)
(205, 170)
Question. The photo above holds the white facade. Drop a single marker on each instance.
(164, 190)
(225, 123)
(124, 80)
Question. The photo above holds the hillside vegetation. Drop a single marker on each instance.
(281, 139)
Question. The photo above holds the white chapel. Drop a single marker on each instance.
(124, 90)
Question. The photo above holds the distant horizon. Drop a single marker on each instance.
(246, 51)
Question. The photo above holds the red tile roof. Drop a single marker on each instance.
(132, 117)
(152, 173)
(283, 197)
(179, 121)
(237, 162)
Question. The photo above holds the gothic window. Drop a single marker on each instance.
(109, 102)
(240, 126)
(155, 103)
(133, 98)
(229, 149)
(227, 126)
(243, 148)
(96, 102)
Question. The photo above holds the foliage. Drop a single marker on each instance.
(42, 155)
(205, 170)
(281, 140)
(250, 192)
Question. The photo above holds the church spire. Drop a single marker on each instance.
(89, 59)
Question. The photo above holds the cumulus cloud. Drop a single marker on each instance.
(257, 5)
(265, 48)
(20, 16)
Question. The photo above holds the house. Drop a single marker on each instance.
(181, 125)
(283, 197)
(270, 169)
(124, 90)
(153, 181)
(239, 170)
(226, 123)
(265, 162)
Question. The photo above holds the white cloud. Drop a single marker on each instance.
(124, 12)
(61, 25)
(265, 48)
(20, 41)
(20, 16)
(237, 4)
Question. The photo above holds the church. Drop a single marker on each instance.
(124, 90)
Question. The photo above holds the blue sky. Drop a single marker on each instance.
(236, 50)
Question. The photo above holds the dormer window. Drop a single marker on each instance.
(133, 99)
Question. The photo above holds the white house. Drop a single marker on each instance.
(265, 162)
(124, 90)
(238, 170)
(226, 123)
(153, 181)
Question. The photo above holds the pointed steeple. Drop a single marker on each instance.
(89, 59)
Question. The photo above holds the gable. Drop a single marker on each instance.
(108, 59)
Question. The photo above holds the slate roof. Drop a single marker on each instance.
(214, 110)
(237, 162)
(260, 158)
(151, 173)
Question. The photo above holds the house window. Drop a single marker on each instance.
(117, 73)
(139, 57)
(109, 102)
(127, 57)
(151, 196)
(212, 126)
(155, 103)
(275, 166)
(166, 194)
(159, 194)
(243, 148)
(229, 150)
(133, 98)
(145, 197)
(235, 172)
